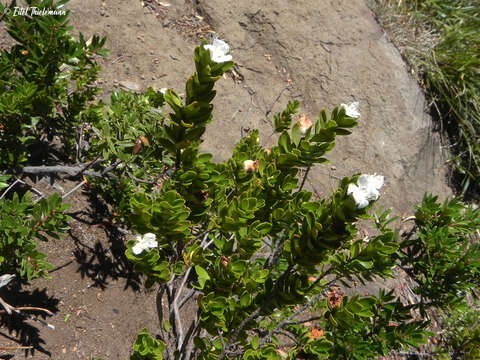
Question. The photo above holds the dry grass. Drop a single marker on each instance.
(440, 41)
(414, 38)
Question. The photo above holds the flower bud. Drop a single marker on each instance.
(315, 333)
(251, 165)
(224, 260)
(304, 123)
(335, 297)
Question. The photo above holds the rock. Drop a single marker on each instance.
(130, 85)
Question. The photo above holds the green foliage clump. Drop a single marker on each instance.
(147, 348)
(460, 336)
(46, 83)
(441, 255)
(249, 249)
(22, 223)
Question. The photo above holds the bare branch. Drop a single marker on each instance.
(74, 170)
(297, 322)
(70, 170)
(187, 297)
(178, 326)
(7, 9)
(184, 280)
(188, 342)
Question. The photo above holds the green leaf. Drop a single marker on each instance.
(166, 325)
(255, 341)
(203, 276)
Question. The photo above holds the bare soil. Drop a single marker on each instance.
(321, 53)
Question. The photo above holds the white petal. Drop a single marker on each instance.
(222, 58)
(359, 195)
(209, 47)
(352, 188)
(370, 181)
(151, 244)
(219, 50)
(149, 237)
(372, 194)
(363, 181)
(221, 45)
(352, 109)
(137, 248)
(377, 181)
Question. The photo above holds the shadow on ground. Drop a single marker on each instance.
(24, 328)
(99, 259)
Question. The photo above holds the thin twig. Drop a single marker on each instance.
(269, 110)
(297, 322)
(205, 233)
(201, 332)
(75, 188)
(70, 170)
(9, 188)
(272, 259)
(74, 170)
(141, 181)
(304, 179)
(28, 308)
(9, 348)
(8, 308)
(221, 338)
(320, 277)
(286, 334)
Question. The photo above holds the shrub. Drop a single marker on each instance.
(22, 222)
(46, 83)
(258, 260)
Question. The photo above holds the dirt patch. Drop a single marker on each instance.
(321, 53)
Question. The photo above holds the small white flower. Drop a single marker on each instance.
(366, 189)
(163, 90)
(352, 109)
(219, 50)
(147, 241)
